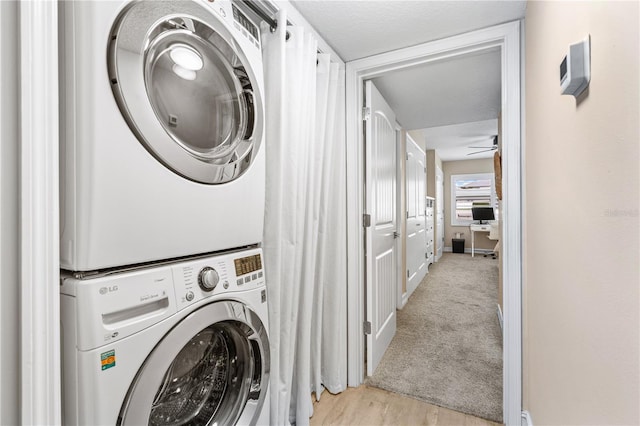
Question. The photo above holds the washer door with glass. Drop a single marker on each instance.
(184, 87)
(211, 368)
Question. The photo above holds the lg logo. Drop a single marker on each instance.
(105, 290)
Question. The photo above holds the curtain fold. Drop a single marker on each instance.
(305, 222)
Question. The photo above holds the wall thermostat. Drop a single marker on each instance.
(575, 69)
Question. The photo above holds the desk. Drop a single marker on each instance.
(477, 228)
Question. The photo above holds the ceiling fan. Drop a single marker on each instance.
(485, 148)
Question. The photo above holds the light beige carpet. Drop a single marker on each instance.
(448, 346)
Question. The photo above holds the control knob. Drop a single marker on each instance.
(208, 278)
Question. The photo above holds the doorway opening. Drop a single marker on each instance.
(506, 38)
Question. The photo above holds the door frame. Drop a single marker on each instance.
(439, 204)
(507, 38)
(401, 208)
(39, 283)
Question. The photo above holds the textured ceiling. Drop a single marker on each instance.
(454, 142)
(455, 102)
(454, 91)
(361, 28)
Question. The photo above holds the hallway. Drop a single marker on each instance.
(448, 347)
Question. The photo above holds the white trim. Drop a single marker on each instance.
(401, 267)
(39, 284)
(405, 299)
(355, 230)
(418, 148)
(9, 214)
(511, 214)
(439, 173)
(467, 250)
(507, 38)
(526, 419)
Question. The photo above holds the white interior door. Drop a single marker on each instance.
(380, 204)
(439, 212)
(416, 215)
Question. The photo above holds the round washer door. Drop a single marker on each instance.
(185, 88)
(211, 368)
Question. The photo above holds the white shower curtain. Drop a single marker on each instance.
(305, 222)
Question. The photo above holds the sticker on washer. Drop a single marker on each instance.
(108, 359)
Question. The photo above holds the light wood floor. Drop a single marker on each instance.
(372, 406)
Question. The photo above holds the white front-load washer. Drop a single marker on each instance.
(175, 344)
(162, 131)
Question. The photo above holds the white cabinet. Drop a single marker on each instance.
(429, 234)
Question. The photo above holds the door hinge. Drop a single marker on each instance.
(366, 113)
(395, 235)
(407, 156)
(367, 327)
(407, 273)
(426, 255)
(407, 214)
(366, 220)
(425, 170)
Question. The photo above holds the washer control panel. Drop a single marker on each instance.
(248, 269)
(224, 274)
(208, 278)
(115, 306)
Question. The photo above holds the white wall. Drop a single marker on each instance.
(581, 245)
(9, 248)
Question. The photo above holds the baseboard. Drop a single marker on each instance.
(468, 250)
(526, 419)
(500, 319)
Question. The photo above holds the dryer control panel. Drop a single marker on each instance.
(231, 12)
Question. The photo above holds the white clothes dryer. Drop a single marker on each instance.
(176, 344)
(162, 131)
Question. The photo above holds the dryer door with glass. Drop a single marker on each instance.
(211, 368)
(186, 89)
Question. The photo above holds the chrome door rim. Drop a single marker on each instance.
(137, 30)
(150, 57)
(137, 405)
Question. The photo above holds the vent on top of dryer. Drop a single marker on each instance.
(251, 29)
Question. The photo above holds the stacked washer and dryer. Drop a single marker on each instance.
(163, 299)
